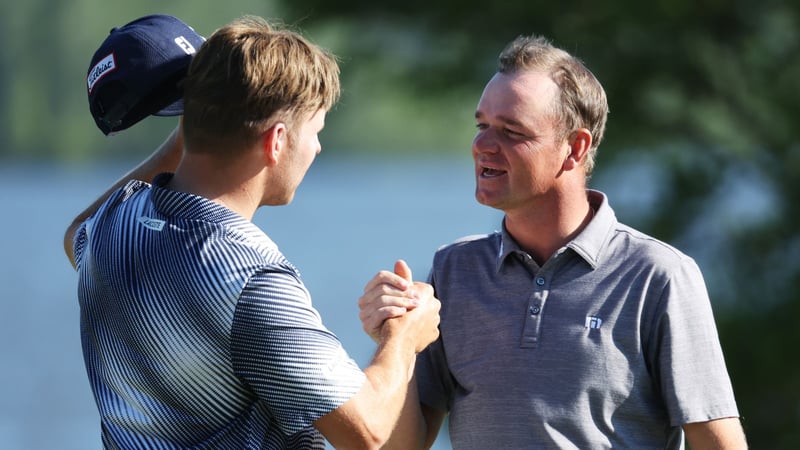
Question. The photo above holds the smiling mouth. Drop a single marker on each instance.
(489, 172)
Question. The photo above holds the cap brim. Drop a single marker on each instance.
(175, 109)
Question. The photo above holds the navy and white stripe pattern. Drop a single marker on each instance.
(197, 332)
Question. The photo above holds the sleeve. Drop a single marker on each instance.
(433, 378)
(688, 357)
(280, 347)
(434, 382)
(82, 239)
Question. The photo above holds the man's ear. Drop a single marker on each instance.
(579, 142)
(274, 142)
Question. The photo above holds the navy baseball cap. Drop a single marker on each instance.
(138, 69)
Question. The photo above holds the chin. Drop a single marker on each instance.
(491, 202)
(483, 200)
(277, 201)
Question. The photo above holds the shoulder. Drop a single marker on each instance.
(469, 245)
(127, 194)
(118, 203)
(249, 239)
(248, 249)
(467, 255)
(131, 191)
(638, 249)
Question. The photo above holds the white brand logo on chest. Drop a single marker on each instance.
(593, 322)
(150, 223)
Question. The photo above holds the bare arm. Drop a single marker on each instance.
(418, 425)
(164, 159)
(717, 434)
(368, 419)
(387, 297)
(409, 430)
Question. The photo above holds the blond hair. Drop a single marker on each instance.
(250, 75)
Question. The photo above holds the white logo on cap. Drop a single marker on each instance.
(102, 67)
(185, 45)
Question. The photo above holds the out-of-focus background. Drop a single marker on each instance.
(700, 151)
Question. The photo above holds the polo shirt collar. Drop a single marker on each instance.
(193, 207)
(588, 244)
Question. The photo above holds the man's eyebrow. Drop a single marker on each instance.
(504, 119)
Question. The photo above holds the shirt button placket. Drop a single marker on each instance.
(530, 334)
(536, 309)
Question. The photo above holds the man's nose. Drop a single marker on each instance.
(485, 141)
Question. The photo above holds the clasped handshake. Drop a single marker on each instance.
(395, 304)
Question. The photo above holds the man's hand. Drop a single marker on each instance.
(389, 295)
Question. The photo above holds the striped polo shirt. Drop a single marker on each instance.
(197, 332)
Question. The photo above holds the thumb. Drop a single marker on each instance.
(402, 269)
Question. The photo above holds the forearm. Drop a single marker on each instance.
(410, 429)
(394, 398)
(164, 159)
(720, 434)
(368, 419)
(388, 401)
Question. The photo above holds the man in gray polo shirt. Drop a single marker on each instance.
(566, 329)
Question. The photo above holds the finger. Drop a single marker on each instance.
(372, 320)
(385, 296)
(387, 278)
(402, 269)
(376, 317)
(424, 290)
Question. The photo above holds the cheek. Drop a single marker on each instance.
(310, 151)
(317, 144)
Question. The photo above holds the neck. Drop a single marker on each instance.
(544, 228)
(230, 185)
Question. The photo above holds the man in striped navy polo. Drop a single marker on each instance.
(196, 331)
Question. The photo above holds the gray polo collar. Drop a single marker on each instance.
(588, 244)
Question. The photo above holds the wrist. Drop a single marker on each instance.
(392, 334)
